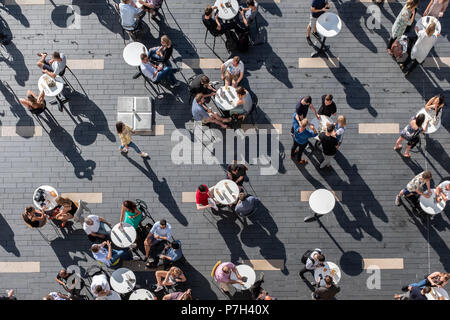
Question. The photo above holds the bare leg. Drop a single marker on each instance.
(308, 31)
(407, 154)
(159, 275)
(398, 144)
(147, 246)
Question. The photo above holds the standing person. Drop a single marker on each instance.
(162, 53)
(405, 18)
(416, 187)
(312, 260)
(301, 135)
(52, 66)
(204, 198)
(436, 8)
(248, 14)
(436, 103)
(130, 214)
(414, 293)
(411, 134)
(425, 42)
(246, 204)
(326, 292)
(301, 110)
(318, 7)
(330, 145)
(328, 107)
(232, 71)
(125, 133)
(222, 276)
(33, 102)
(340, 125)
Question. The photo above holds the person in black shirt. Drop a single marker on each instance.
(236, 172)
(201, 84)
(318, 7)
(213, 24)
(10, 296)
(328, 107)
(330, 145)
(326, 292)
(302, 107)
(74, 285)
(414, 293)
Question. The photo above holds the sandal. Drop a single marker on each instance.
(397, 148)
(407, 155)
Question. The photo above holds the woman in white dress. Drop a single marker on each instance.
(436, 8)
(426, 40)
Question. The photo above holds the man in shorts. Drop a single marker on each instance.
(52, 66)
(318, 7)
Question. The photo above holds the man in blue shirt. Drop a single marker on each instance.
(172, 252)
(157, 73)
(301, 135)
(200, 112)
(245, 205)
(318, 7)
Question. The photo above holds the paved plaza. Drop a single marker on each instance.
(82, 155)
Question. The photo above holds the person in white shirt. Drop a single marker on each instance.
(156, 73)
(233, 71)
(314, 260)
(96, 226)
(100, 286)
(110, 256)
(158, 235)
(130, 15)
(56, 296)
(52, 66)
(443, 191)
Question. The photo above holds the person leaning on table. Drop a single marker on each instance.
(223, 274)
(110, 256)
(326, 292)
(232, 71)
(415, 187)
(443, 191)
(96, 226)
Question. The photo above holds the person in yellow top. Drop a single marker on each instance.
(125, 133)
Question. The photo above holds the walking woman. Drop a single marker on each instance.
(436, 8)
(340, 128)
(425, 42)
(410, 133)
(404, 19)
(125, 133)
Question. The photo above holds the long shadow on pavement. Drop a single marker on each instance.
(7, 237)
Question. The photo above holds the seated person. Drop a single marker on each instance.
(326, 292)
(171, 253)
(100, 286)
(222, 276)
(52, 66)
(237, 173)
(96, 226)
(443, 191)
(152, 6)
(162, 53)
(35, 104)
(111, 256)
(246, 204)
(328, 107)
(56, 296)
(414, 293)
(130, 214)
(243, 105)
(171, 277)
(204, 198)
(35, 218)
(74, 287)
(416, 187)
(157, 73)
(257, 292)
(180, 295)
(65, 210)
(212, 22)
(130, 15)
(160, 233)
(200, 112)
(11, 296)
(249, 14)
(233, 71)
(201, 84)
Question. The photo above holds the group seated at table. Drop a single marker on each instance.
(53, 66)
(110, 257)
(200, 112)
(171, 277)
(97, 227)
(156, 73)
(201, 84)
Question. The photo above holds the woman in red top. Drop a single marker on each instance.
(202, 198)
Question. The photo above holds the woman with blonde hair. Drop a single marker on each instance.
(436, 8)
(340, 128)
(404, 19)
(171, 277)
(425, 42)
(67, 212)
(162, 53)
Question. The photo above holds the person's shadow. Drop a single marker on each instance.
(16, 12)
(162, 189)
(8, 243)
(229, 230)
(71, 253)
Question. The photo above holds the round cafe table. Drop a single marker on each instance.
(224, 12)
(113, 296)
(132, 53)
(138, 4)
(54, 91)
(433, 125)
(50, 195)
(321, 202)
(123, 238)
(226, 192)
(142, 294)
(320, 125)
(328, 269)
(437, 294)
(430, 205)
(328, 25)
(424, 22)
(247, 272)
(226, 99)
(123, 280)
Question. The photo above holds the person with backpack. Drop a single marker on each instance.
(312, 259)
(411, 134)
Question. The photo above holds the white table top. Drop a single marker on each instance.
(226, 13)
(321, 125)
(224, 191)
(142, 294)
(132, 53)
(244, 271)
(327, 270)
(430, 206)
(54, 91)
(123, 238)
(123, 280)
(424, 22)
(226, 99)
(138, 4)
(329, 24)
(322, 201)
(49, 199)
(113, 296)
(433, 126)
(436, 293)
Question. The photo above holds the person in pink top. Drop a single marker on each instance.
(223, 273)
